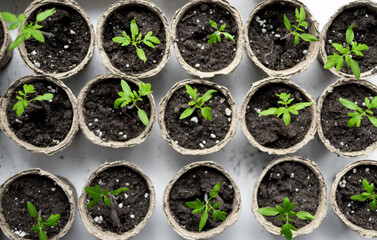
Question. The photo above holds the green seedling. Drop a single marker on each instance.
(359, 113)
(216, 36)
(41, 226)
(369, 194)
(338, 60)
(286, 111)
(96, 194)
(28, 30)
(198, 102)
(23, 101)
(205, 207)
(295, 29)
(136, 39)
(285, 214)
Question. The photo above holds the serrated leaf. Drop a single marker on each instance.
(212, 39)
(339, 48)
(215, 191)
(43, 15)
(221, 215)
(206, 113)
(332, 61)
(9, 17)
(339, 65)
(190, 91)
(373, 120)
(350, 34)
(268, 211)
(198, 210)
(52, 220)
(302, 14)
(287, 23)
(373, 104)
(119, 190)
(286, 203)
(46, 96)
(32, 210)
(216, 205)
(148, 43)
(362, 47)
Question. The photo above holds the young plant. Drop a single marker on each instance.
(295, 29)
(40, 227)
(338, 60)
(369, 194)
(358, 113)
(96, 194)
(216, 36)
(128, 96)
(205, 207)
(136, 39)
(286, 111)
(23, 101)
(198, 102)
(285, 214)
(27, 29)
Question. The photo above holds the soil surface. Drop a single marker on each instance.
(265, 33)
(350, 184)
(196, 183)
(125, 58)
(270, 131)
(195, 132)
(2, 35)
(334, 119)
(120, 124)
(67, 49)
(127, 209)
(193, 32)
(365, 32)
(46, 196)
(295, 181)
(47, 126)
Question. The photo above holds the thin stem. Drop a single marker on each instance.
(284, 37)
(48, 34)
(35, 106)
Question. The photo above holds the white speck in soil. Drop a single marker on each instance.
(230, 186)
(194, 119)
(213, 135)
(222, 100)
(197, 20)
(20, 233)
(330, 41)
(264, 30)
(278, 174)
(305, 51)
(90, 124)
(117, 180)
(146, 195)
(127, 65)
(204, 141)
(65, 46)
(100, 182)
(352, 211)
(132, 216)
(354, 170)
(124, 136)
(366, 15)
(217, 141)
(126, 195)
(296, 190)
(120, 205)
(341, 143)
(96, 120)
(18, 121)
(33, 52)
(349, 205)
(201, 145)
(366, 170)
(277, 35)
(98, 219)
(127, 184)
(197, 65)
(292, 175)
(342, 183)
(53, 189)
(176, 142)
(229, 119)
(37, 64)
(205, 172)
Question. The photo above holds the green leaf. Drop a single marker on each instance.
(373, 120)
(19, 40)
(291, 207)
(13, 26)
(43, 15)
(297, 38)
(213, 24)
(106, 200)
(349, 34)
(19, 107)
(221, 215)
(348, 104)
(268, 211)
(203, 220)
(353, 121)
(366, 186)
(52, 220)
(359, 198)
(228, 36)
(148, 43)
(125, 87)
(373, 205)
(154, 40)
(206, 96)
(122, 40)
(355, 68)
(304, 24)
(43, 235)
(287, 118)
(286, 203)
(46, 96)
(286, 231)
(198, 210)
(212, 38)
(339, 48)
(373, 104)
(215, 191)
(134, 29)
(269, 111)
(332, 61)
(216, 205)
(308, 37)
(302, 105)
(305, 215)
(287, 23)
(302, 14)
(141, 54)
(119, 190)
(93, 202)
(206, 113)
(187, 113)
(145, 89)
(222, 28)
(32, 210)
(9, 17)
(362, 47)
(38, 35)
(190, 91)
(339, 65)
(143, 117)
(195, 205)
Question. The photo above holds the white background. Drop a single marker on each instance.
(155, 157)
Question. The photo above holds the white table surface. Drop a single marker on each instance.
(156, 158)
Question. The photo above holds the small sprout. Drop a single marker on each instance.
(23, 103)
(338, 60)
(285, 214)
(216, 36)
(198, 102)
(128, 96)
(27, 29)
(369, 194)
(40, 227)
(358, 114)
(198, 207)
(300, 18)
(97, 194)
(136, 38)
(286, 111)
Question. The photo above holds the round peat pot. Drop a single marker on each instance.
(46, 126)
(195, 135)
(124, 59)
(364, 14)
(333, 119)
(195, 181)
(348, 182)
(48, 193)
(109, 127)
(128, 212)
(68, 49)
(191, 31)
(5, 42)
(301, 181)
(269, 133)
(264, 31)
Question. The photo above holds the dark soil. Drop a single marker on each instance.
(350, 184)
(43, 127)
(203, 134)
(120, 124)
(67, 48)
(270, 131)
(266, 31)
(46, 196)
(295, 181)
(127, 209)
(125, 58)
(193, 32)
(195, 184)
(2, 35)
(334, 119)
(365, 32)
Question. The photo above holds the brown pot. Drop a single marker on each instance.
(30, 147)
(88, 220)
(230, 219)
(5, 54)
(61, 182)
(113, 144)
(240, 42)
(312, 51)
(322, 207)
(310, 133)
